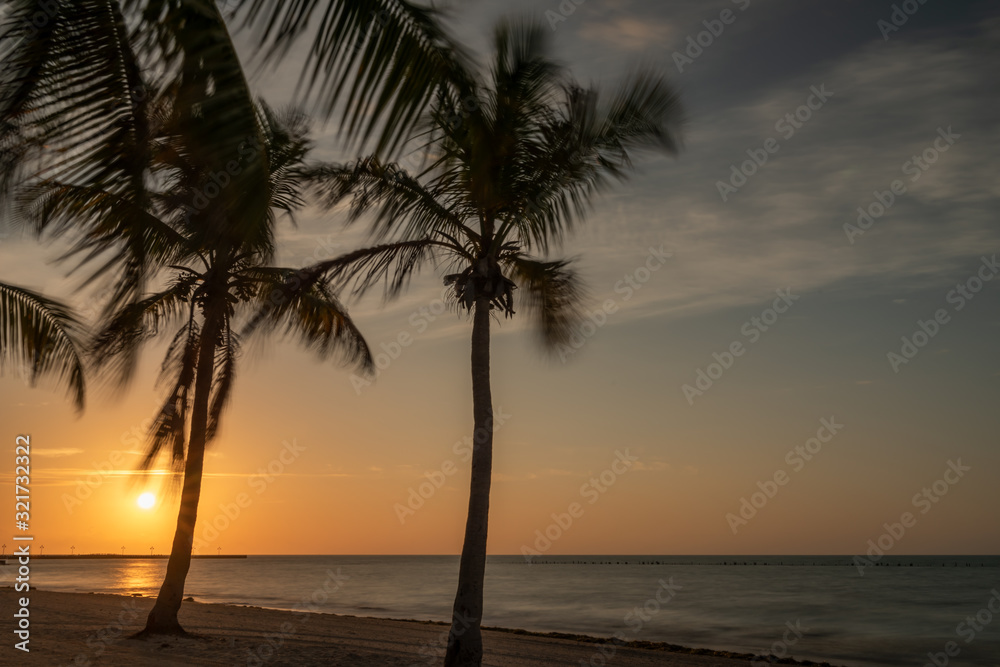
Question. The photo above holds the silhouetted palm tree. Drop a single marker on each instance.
(42, 336)
(515, 160)
(224, 278)
(169, 178)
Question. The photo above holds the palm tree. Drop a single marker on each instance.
(509, 174)
(207, 297)
(210, 285)
(44, 336)
(172, 179)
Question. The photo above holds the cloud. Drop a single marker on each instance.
(628, 33)
(785, 226)
(652, 466)
(54, 453)
(541, 474)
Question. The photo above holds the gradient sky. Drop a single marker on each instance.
(353, 455)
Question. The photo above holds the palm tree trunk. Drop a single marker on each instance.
(465, 642)
(162, 618)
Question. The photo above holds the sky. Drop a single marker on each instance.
(745, 387)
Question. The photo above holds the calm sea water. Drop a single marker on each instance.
(895, 614)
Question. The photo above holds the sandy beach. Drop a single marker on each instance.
(94, 629)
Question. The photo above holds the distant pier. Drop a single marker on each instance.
(125, 557)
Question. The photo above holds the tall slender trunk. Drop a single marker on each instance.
(162, 618)
(465, 641)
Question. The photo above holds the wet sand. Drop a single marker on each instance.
(94, 629)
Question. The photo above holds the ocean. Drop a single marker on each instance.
(903, 611)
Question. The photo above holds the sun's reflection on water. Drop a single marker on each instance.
(137, 576)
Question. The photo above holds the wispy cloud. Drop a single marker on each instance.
(652, 466)
(54, 453)
(540, 474)
(628, 33)
(784, 227)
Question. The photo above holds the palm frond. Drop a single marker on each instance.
(225, 376)
(75, 112)
(74, 101)
(524, 78)
(552, 293)
(644, 113)
(300, 302)
(286, 137)
(167, 433)
(117, 344)
(585, 145)
(100, 220)
(393, 264)
(43, 336)
(386, 56)
(404, 208)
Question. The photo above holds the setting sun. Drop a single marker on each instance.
(146, 501)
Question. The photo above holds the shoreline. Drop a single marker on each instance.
(95, 628)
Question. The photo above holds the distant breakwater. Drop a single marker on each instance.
(757, 563)
(120, 556)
